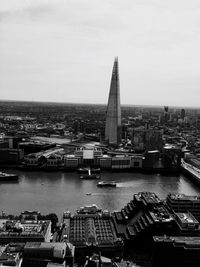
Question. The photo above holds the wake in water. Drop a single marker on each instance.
(126, 184)
(106, 193)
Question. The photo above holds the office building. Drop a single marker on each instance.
(184, 203)
(113, 113)
(176, 251)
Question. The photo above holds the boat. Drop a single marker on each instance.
(106, 184)
(88, 209)
(89, 175)
(83, 170)
(8, 176)
(86, 169)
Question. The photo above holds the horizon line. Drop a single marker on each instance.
(101, 104)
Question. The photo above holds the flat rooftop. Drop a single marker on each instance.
(148, 197)
(56, 245)
(92, 229)
(184, 197)
(23, 227)
(179, 240)
(186, 218)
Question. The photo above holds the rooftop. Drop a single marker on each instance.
(184, 197)
(23, 227)
(186, 218)
(186, 241)
(55, 245)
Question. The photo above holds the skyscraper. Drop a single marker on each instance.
(182, 113)
(113, 113)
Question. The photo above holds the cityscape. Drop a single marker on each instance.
(105, 151)
(99, 134)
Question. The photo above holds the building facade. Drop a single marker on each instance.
(113, 113)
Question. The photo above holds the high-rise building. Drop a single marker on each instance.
(182, 113)
(166, 114)
(113, 113)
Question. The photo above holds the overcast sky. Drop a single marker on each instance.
(63, 50)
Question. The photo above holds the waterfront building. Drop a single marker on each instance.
(52, 157)
(11, 156)
(27, 229)
(151, 159)
(88, 155)
(176, 251)
(55, 160)
(90, 232)
(146, 215)
(171, 156)
(35, 146)
(121, 162)
(136, 162)
(184, 203)
(71, 161)
(113, 113)
(187, 224)
(105, 162)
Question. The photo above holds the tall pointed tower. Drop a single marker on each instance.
(113, 113)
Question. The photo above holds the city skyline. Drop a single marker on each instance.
(49, 49)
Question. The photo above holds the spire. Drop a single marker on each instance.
(113, 114)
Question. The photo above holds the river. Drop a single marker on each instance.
(59, 191)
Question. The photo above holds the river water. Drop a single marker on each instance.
(60, 191)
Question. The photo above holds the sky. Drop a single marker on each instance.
(63, 50)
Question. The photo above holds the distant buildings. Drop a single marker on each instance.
(144, 139)
(182, 113)
(113, 113)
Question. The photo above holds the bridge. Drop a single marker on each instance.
(191, 170)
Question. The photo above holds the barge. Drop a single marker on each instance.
(8, 176)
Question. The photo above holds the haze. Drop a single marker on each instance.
(63, 50)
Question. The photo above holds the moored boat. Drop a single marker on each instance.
(88, 209)
(8, 176)
(90, 176)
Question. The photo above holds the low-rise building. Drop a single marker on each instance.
(105, 162)
(184, 203)
(176, 251)
(121, 162)
(27, 229)
(45, 254)
(11, 255)
(10, 155)
(90, 232)
(136, 162)
(71, 161)
(48, 158)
